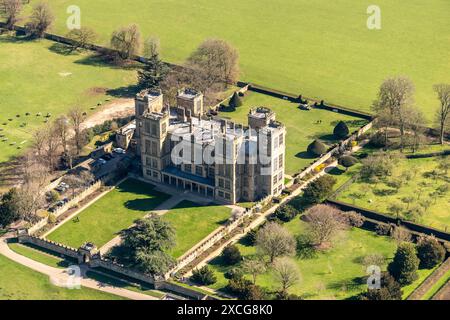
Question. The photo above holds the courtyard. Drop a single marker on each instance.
(106, 218)
(303, 127)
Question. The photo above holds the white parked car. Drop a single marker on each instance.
(119, 151)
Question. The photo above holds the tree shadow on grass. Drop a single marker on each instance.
(124, 92)
(305, 155)
(62, 49)
(336, 171)
(142, 204)
(347, 284)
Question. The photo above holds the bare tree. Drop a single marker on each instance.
(76, 117)
(81, 38)
(62, 129)
(416, 124)
(217, 60)
(286, 274)
(11, 9)
(39, 137)
(324, 222)
(275, 241)
(443, 92)
(52, 144)
(40, 20)
(394, 96)
(127, 41)
(254, 266)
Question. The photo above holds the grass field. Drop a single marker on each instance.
(39, 255)
(334, 274)
(437, 286)
(35, 78)
(321, 49)
(116, 211)
(302, 127)
(193, 222)
(27, 284)
(419, 188)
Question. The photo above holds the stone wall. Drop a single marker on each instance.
(25, 237)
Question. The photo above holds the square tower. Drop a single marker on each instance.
(191, 100)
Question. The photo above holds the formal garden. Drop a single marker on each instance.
(106, 218)
(303, 126)
(193, 222)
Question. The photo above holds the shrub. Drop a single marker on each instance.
(234, 273)
(405, 264)
(51, 218)
(390, 290)
(286, 213)
(341, 130)
(231, 255)
(430, 252)
(238, 287)
(378, 140)
(235, 101)
(203, 276)
(319, 189)
(354, 219)
(317, 148)
(251, 237)
(374, 260)
(53, 196)
(348, 161)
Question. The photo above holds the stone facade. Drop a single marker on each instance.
(213, 157)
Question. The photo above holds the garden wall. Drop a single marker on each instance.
(373, 215)
(25, 237)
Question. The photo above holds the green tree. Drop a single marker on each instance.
(9, 207)
(341, 130)
(430, 252)
(348, 161)
(319, 189)
(148, 242)
(231, 255)
(405, 264)
(204, 276)
(389, 290)
(235, 101)
(317, 148)
(286, 213)
(154, 71)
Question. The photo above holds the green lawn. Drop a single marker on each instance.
(193, 222)
(419, 187)
(116, 211)
(26, 284)
(35, 78)
(437, 286)
(302, 127)
(321, 49)
(39, 255)
(334, 274)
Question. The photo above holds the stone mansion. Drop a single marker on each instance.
(183, 147)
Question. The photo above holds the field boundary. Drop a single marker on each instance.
(382, 218)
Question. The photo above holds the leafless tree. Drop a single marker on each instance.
(76, 117)
(214, 65)
(40, 20)
(10, 9)
(286, 274)
(81, 38)
(400, 234)
(52, 144)
(152, 47)
(39, 137)
(443, 92)
(127, 41)
(324, 222)
(62, 129)
(416, 124)
(254, 266)
(394, 96)
(275, 241)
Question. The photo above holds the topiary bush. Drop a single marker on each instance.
(203, 276)
(430, 252)
(286, 213)
(405, 264)
(348, 161)
(317, 148)
(231, 255)
(341, 130)
(235, 101)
